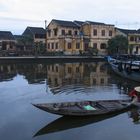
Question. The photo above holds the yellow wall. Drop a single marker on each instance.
(87, 29)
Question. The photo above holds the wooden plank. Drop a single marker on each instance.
(111, 105)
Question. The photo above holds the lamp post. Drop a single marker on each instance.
(46, 33)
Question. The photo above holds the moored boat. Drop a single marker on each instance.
(70, 122)
(126, 69)
(85, 108)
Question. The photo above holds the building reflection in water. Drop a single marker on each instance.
(60, 75)
(77, 73)
(7, 72)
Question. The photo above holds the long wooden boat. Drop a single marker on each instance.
(70, 122)
(132, 61)
(85, 108)
(125, 69)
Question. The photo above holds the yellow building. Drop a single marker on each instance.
(134, 42)
(99, 34)
(133, 39)
(63, 36)
(73, 37)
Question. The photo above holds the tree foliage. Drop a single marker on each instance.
(40, 48)
(118, 45)
(26, 41)
(92, 51)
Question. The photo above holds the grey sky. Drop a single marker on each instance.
(16, 15)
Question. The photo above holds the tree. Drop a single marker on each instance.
(26, 41)
(118, 45)
(40, 48)
(92, 51)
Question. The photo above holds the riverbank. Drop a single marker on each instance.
(51, 58)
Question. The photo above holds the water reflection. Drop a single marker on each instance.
(93, 80)
(65, 123)
(135, 115)
(7, 72)
(125, 85)
(77, 76)
(57, 75)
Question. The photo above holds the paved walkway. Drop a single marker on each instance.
(49, 57)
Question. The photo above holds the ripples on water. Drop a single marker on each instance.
(23, 84)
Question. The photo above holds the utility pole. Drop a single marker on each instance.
(46, 33)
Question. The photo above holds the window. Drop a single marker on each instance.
(75, 33)
(56, 45)
(4, 44)
(95, 32)
(49, 33)
(94, 81)
(48, 45)
(95, 45)
(77, 70)
(103, 46)
(49, 80)
(52, 45)
(131, 38)
(63, 32)
(137, 49)
(77, 45)
(102, 81)
(56, 68)
(69, 32)
(86, 46)
(103, 32)
(11, 47)
(52, 68)
(69, 70)
(55, 31)
(102, 68)
(40, 35)
(110, 33)
(69, 45)
(56, 81)
(48, 67)
(135, 38)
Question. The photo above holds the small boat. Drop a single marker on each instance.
(70, 122)
(85, 108)
(131, 61)
(125, 69)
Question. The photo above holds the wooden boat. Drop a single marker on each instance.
(131, 61)
(70, 122)
(125, 69)
(85, 108)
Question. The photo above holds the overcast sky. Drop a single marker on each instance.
(16, 15)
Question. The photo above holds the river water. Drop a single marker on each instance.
(22, 84)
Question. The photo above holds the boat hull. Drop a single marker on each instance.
(131, 74)
(85, 108)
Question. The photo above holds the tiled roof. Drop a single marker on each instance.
(127, 31)
(95, 23)
(64, 23)
(37, 30)
(17, 36)
(6, 35)
(138, 31)
(79, 23)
